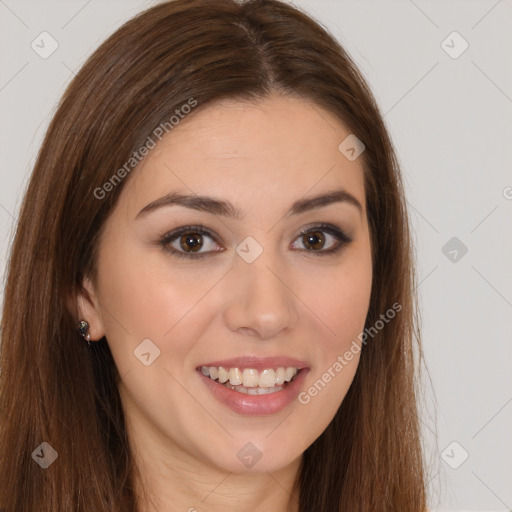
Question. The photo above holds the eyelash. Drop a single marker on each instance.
(165, 240)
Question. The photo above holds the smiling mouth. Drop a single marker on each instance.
(251, 381)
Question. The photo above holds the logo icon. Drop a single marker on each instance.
(249, 454)
(454, 249)
(44, 455)
(249, 249)
(454, 455)
(44, 45)
(147, 352)
(351, 147)
(454, 45)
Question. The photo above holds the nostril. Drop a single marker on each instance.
(247, 330)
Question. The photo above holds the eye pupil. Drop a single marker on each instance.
(191, 242)
(314, 240)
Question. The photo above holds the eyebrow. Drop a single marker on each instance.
(215, 206)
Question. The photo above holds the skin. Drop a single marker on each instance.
(261, 157)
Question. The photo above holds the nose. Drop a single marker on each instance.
(261, 299)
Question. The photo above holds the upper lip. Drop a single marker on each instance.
(258, 363)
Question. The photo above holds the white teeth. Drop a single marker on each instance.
(289, 373)
(235, 377)
(223, 375)
(254, 391)
(249, 378)
(280, 374)
(267, 379)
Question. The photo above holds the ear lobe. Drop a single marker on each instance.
(87, 307)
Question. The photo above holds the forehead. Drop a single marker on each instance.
(269, 152)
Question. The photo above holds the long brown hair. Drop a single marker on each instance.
(55, 389)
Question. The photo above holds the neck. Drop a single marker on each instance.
(170, 479)
(175, 483)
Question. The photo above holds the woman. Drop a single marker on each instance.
(209, 302)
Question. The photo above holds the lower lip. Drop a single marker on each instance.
(255, 405)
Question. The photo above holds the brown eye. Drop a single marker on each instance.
(321, 240)
(313, 240)
(191, 242)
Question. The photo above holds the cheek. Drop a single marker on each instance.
(342, 305)
(340, 300)
(146, 296)
(343, 311)
(143, 292)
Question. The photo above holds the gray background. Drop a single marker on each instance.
(450, 120)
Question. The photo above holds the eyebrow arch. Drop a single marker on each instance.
(214, 206)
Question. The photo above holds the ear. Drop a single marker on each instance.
(88, 308)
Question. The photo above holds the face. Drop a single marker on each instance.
(257, 280)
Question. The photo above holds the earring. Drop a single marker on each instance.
(83, 330)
